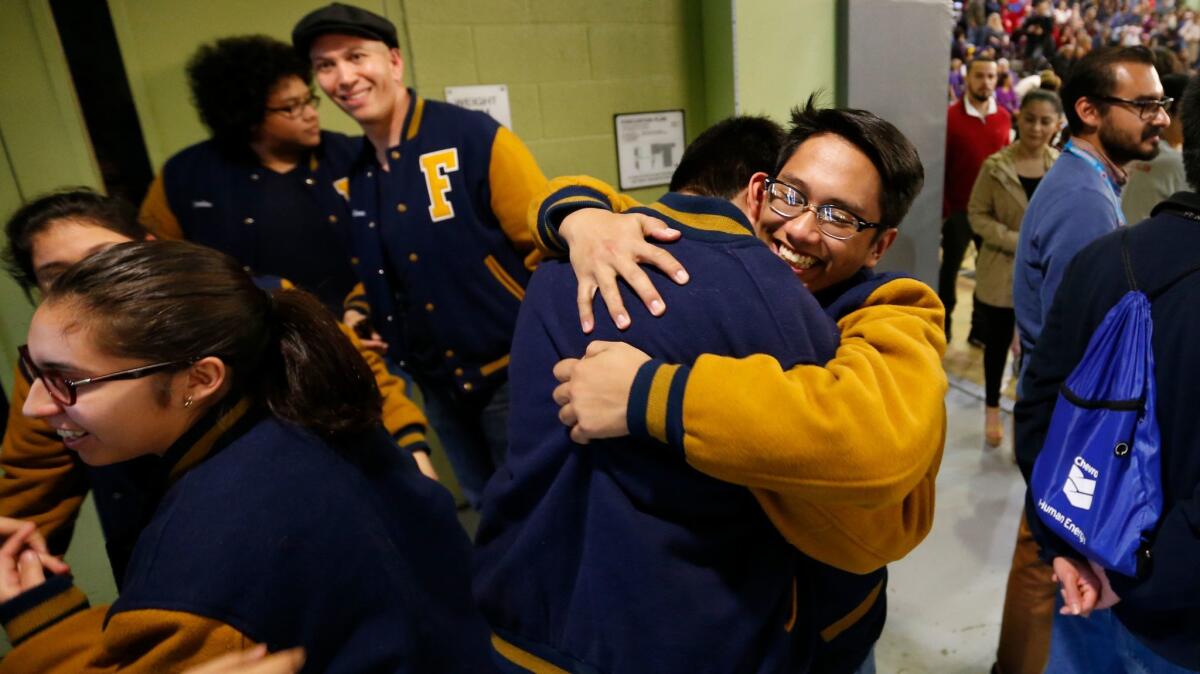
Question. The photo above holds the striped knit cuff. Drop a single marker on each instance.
(655, 408)
(558, 206)
(44, 606)
(412, 438)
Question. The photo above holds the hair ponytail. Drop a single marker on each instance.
(310, 373)
(172, 300)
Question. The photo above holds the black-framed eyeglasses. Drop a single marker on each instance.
(1147, 110)
(833, 221)
(63, 390)
(295, 110)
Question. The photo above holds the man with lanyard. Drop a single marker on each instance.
(823, 479)
(1149, 622)
(261, 188)
(1115, 108)
(976, 128)
(438, 197)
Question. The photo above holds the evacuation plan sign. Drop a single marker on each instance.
(649, 146)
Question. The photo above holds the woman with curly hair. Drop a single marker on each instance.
(261, 188)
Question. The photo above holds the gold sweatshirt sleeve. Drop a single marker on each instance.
(861, 431)
(156, 214)
(43, 481)
(565, 195)
(401, 416)
(515, 178)
(61, 635)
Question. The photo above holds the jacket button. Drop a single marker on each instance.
(412, 257)
(468, 386)
(353, 260)
(249, 221)
(246, 269)
(370, 174)
(381, 272)
(333, 218)
(371, 225)
(449, 353)
(254, 176)
(391, 318)
(395, 154)
(309, 181)
(401, 208)
(458, 372)
(429, 306)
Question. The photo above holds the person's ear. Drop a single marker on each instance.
(1089, 112)
(397, 61)
(879, 246)
(756, 196)
(205, 379)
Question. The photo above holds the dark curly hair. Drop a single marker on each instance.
(231, 79)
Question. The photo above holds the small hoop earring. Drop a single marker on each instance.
(187, 402)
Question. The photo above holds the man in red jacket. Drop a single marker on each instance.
(975, 128)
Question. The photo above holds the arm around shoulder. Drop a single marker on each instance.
(863, 430)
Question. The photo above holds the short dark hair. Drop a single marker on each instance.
(1042, 96)
(231, 80)
(1174, 85)
(720, 161)
(894, 157)
(172, 300)
(72, 203)
(1191, 133)
(979, 59)
(1093, 76)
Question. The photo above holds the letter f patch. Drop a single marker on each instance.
(436, 166)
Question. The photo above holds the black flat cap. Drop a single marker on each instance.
(343, 20)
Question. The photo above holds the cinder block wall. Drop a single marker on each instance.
(570, 65)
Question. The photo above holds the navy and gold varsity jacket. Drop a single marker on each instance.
(274, 224)
(440, 242)
(257, 531)
(617, 556)
(858, 491)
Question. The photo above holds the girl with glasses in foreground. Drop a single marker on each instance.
(275, 509)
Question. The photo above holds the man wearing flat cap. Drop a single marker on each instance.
(438, 198)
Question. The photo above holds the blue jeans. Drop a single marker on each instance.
(473, 435)
(868, 665)
(1100, 644)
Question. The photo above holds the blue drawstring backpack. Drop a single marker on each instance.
(1097, 482)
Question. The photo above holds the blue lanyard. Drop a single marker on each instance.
(1099, 166)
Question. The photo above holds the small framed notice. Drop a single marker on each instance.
(649, 146)
(489, 98)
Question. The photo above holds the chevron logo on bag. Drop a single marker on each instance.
(1079, 489)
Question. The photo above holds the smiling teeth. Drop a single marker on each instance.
(796, 259)
(70, 435)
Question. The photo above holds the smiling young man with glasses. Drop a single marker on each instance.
(841, 457)
(262, 188)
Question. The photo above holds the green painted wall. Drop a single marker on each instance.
(783, 51)
(45, 144)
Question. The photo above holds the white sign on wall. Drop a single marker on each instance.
(489, 98)
(649, 146)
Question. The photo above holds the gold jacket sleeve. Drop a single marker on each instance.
(843, 458)
(156, 215)
(43, 481)
(559, 198)
(514, 178)
(147, 640)
(401, 416)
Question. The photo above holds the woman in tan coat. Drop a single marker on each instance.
(998, 201)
